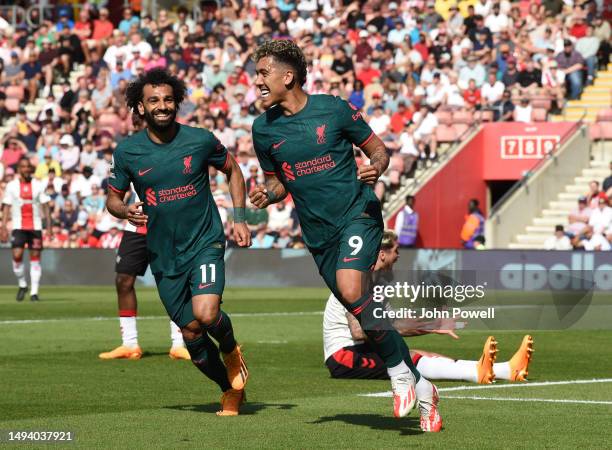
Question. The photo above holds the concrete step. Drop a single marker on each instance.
(550, 222)
(595, 173)
(600, 103)
(597, 163)
(540, 230)
(569, 196)
(558, 208)
(577, 188)
(515, 246)
(531, 239)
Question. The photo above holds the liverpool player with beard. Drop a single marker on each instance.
(26, 199)
(168, 165)
(305, 147)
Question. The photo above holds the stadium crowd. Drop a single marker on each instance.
(421, 72)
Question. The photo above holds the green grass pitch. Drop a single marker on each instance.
(51, 379)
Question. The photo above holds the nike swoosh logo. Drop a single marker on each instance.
(277, 145)
(349, 259)
(204, 286)
(144, 172)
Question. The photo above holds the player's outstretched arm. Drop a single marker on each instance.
(132, 213)
(3, 227)
(272, 192)
(379, 161)
(237, 188)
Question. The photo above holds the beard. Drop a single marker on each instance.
(156, 125)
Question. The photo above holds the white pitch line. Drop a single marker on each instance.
(91, 319)
(539, 400)
(502, 386)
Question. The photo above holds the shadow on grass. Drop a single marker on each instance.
(406, 425)
(245, 410)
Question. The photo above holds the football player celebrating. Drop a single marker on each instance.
(168, 165)
(304, 144)
(26, 199)
(132, 261)
(348, 354)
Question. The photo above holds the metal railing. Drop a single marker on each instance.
(410, 184)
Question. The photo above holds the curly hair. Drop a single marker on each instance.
(287, 52)
(154, 77)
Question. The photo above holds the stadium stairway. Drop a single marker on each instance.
(395, 200)
(594, 99)
(558, 210)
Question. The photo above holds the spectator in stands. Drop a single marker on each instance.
(14, 149)
(591, 241)
(529, 79)
(523, 112)
(472, 96)
(607, 184)
(572, 64)
(261, 238)
(588, 46)
(85, 239)
(601, 217)
(603, 32)
(579, 217)
(558, 241)
(409, 150)
(279, 216)
(111, 239)
(70, 217)
(407, 224)
(69, 153)
(473, 226)
(492, 90)
(426, 123)
(12, 75)
(32, 76)
(510, 76)
(553, 82)
(593, 194)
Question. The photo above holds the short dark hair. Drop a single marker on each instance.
(154, 77)
(559, 228)
(287, 52)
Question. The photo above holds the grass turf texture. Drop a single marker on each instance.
(52, 380)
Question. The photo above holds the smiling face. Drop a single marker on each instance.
(273, 80)
(158, 106)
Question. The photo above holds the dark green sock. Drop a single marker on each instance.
(221, 329)
(385, 339)
(205, 356)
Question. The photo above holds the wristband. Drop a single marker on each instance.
(271, 196)
(239, 214)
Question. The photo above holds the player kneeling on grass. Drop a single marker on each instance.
(304, 144)
(132, 261)
(348, 354)
(168, 166)
(26, 199)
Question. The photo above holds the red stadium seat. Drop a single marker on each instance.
(12, 104)
(544, 103)
(446, 133)
(539, 115)
(606, 130)
(483, 116)
(17, 92)
(463, 117)
(595, 132)
(460, 129)
(109, 120)
(444, 117)
(604, 115)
